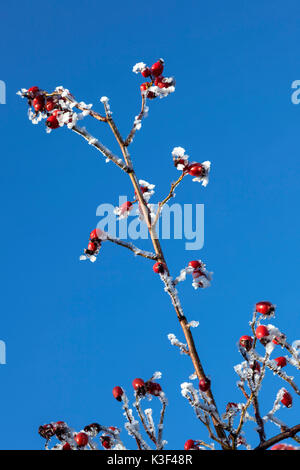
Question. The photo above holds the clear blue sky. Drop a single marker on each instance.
(74, 330)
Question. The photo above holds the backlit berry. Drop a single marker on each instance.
(81, 439)
(246, 342)
(287, 399)
(157, 68)
(264, 308)
(190, 445)
(118, 393)
(280, 361)
(52, 122)
(204, 385)
(159, 268)
(195, 169)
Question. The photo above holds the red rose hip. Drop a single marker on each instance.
(159, 268)
(81, 439)
(157, 68)
(280, 361)
(264, 308)
(204, 385)
(154, 388)
(195, 169)
(262, 332)
(246, 342)
(118, 393)
(190, 445)
(38, 103)
(287, 399)
(138, 384)
(195, 264)
(52, 122)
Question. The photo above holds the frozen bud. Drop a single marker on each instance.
(204, 384)
(246, 342)
(118, 393)
(280, 361)
(264, 308)
(81, 439)
(287, 399)
(159, 268)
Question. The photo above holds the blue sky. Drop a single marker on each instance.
(74, 330)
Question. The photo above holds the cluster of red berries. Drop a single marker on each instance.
(157, 81)
(141, 388)
(51, 106)
(94, 244)
(194, 169)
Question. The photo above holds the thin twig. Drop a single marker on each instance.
(291, 432)
(169, 196)
(137, 119)
(131, 247)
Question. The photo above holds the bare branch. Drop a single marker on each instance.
(291, 432)
(131, 247)
(170, 195)
(136, 123)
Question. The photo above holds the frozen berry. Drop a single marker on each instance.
(159, 268)
(287, 399)
(93, 429)
(92, 247)
(151, 95)
(125, 207)
(195, 264)
(106, 442)
(280, 361)
(138, 384)
(195, 169)
(50, 104)
(255, 366)
(118, 393)
(204, 385)
(52, 122)
(94, 235)
(154, 388)
(81, 439)
(262, 332)
(146, 72)
(38, 103)
(46, 431)
(66, 446)
(246, 342)
(157, 68)
(145, 86)
(33, 91)
(190, 445)
(265, 308)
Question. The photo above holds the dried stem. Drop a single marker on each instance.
(289, 433)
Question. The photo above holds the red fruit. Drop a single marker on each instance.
(50, 104)
(118, 393)
(195, 169)
(151, 95)
(281, 361)
(106, 442)
(265, 308)
(145, 86)
(125, 207)
(283, 447)
(182, 162)
(66, 446)
(52, 122)
(46, 431)
(146, 72)
(81, 439)
(287, 399)
(154, 388)
(159, 268)
(138, 384)
(94, 235)
(195, 264)
(198, 273)
(38, 103)
(190, 445)
(34, 90)
(246, 342)
(157, 68)
(261, 332)
(92, 247)
(204, 385)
